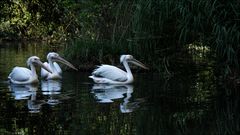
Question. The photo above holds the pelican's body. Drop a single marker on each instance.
(22, 75)
(113, 75)
(56, 71)
(53, 58)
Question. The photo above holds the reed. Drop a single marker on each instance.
(157, 31)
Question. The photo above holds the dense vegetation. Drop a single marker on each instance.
(167, 35)
(155, 31)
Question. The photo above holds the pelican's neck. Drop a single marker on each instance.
(129, 72)
(52, 66)
(33, 69)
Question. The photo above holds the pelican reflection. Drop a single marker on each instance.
(105, 93)
(29, 92)
(35, 105)
(20, 92)
(127, 106)
(51, 88)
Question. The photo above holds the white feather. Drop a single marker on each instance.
(53, 58)
(20, 74)
(57, 67)
(112, 75)
(110, 72)
(44, 73)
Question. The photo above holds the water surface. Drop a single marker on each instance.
(183, 104)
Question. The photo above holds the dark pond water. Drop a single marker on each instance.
(186, 103)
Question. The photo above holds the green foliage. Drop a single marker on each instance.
(37, 19)
(216, 24)
(142, 27)
(97, 51)
(156, 26)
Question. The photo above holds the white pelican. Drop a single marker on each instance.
(22, 75)
(113, 75)
(52, 58)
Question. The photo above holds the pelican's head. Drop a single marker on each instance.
(125, 58)
(34, 60)
(52, 56)
(130, 58)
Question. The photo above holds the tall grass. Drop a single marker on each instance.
(158, 31)
(93, 52)
(135, 31)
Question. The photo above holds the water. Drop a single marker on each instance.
(186, 103)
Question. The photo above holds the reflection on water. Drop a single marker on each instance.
(191, 102)
(51, 88)
(107, 93)
(22, 91)
(35, 105)
(29, 92)
(128, 106)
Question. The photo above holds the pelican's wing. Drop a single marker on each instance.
(110, 72)
(59, 70)
(44, 73)
(20, 74)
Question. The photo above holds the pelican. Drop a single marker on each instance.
(22, 75)
(53, 58)
(113, 75)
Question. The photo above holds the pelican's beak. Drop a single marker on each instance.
(138, 63)
(60, 59)
(43, 66)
